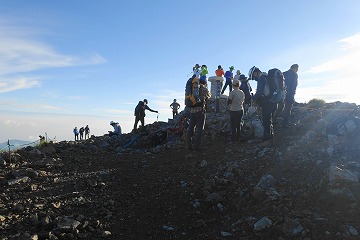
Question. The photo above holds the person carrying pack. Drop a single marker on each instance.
(196, 94)
(276, 85)
(81, 132)
(140, 113)
(262, 98)
(192, 91)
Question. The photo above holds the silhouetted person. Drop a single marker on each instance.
(140, 113)
(87, 132)
(81, 132)
(117, 129)
(175, 107)
(76, 133)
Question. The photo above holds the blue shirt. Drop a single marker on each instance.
(291, 82)
(246, 88)
(261, 81)
(228, 75)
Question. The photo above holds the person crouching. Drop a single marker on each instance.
(117, 129)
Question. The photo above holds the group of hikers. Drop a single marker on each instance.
(275, 96)
(80, 133)
(240, 98)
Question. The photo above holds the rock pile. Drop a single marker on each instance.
(304, 185)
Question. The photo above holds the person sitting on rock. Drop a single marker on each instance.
(117, 129)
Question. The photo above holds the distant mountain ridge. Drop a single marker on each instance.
(15, 144)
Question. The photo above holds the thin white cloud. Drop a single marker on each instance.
(335, 79)
(350, 56)
(21, 52)
(113, 111)
(16, 84)
(20, 106)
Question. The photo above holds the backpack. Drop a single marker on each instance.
(192, 92)
(276, 86)
(138, 108)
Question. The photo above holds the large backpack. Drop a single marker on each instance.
(139, 108)
(276, 86)
(192, 92)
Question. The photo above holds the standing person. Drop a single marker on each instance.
(267, 108)
(229, 77)
(117, 129)
(197, 118)
(196, 70)
(246, 88)
(237, 75)
(76, 133)
(219, 71)
(236, 101)
(140, 113)
(203, 72)
(87, 132)
(175, 107)
(81, 131)
(291, 82)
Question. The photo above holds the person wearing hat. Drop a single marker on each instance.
(246, 88)
(267, 108)
(237, 75)
(229, 77)
(203, 73)
(196, 71)
(140, 113)
(235, 102)
(175, 107)
(117, 129)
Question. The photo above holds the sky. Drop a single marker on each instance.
(86, 62)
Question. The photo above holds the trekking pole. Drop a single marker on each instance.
(157, 118)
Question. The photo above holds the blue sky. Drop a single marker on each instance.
(71, 63)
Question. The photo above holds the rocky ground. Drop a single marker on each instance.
(302, 185)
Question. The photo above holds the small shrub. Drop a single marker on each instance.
(316, 103)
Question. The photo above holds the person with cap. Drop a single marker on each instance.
(246, 88)
(117, 129)
(196, 71)
(197, 118)
(237, 75)
(175, 107)
(229, 77)
(140, 113)
(235, 101)
(203, 72)
(260, 99)
(291, 82)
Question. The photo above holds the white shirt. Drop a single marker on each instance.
(237, 97)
